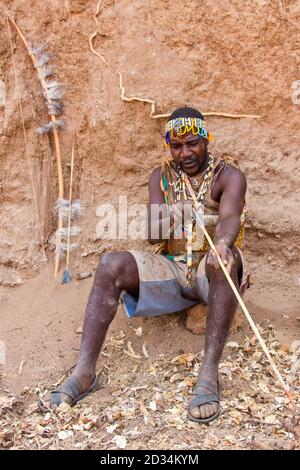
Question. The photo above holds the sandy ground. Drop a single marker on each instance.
(40, 324)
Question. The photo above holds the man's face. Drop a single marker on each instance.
(190, 151)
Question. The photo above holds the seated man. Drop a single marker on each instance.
(185, 273)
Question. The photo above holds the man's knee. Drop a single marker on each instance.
(119, 267)
(111, 264)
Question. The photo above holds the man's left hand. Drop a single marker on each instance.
(225, 254)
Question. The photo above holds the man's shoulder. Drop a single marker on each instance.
(155, 186)
(156, 174)
(232, 172)
(230, 180)
(233, 181)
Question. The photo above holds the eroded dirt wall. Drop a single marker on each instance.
(227, 56)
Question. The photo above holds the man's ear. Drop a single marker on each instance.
(205, 141)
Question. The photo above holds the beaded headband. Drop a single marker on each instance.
(181, 126)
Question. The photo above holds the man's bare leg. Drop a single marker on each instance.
(222, 305)
(115, 272)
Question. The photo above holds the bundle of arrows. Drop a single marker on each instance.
(53, 93)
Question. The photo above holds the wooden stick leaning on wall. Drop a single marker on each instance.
(66, 278)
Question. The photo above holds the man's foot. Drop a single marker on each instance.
(71, 391)
(205, 406)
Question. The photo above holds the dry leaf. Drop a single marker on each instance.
(253, 340)
(271, 419)
(175, 377)
(295, 347)
(5, 401)
(259, 443)
(229, 439)
(21, 366)
(210, 441)
(62, 435)
(183, 358)
(153, 369)
(138, 331)
(78, 427)
(152, 406)
(110, 429)
(255, 365)
(296, 431)
(64, 408)
(39, 429)
(120, 442)
(47, 416)
(263, 386)
(130, 352)
(145, 352)
(121, 335)
(190, 381)
(232, 345)
(6, 439)
(143, 409)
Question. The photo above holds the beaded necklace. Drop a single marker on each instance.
(197, 199)
(180, 184)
